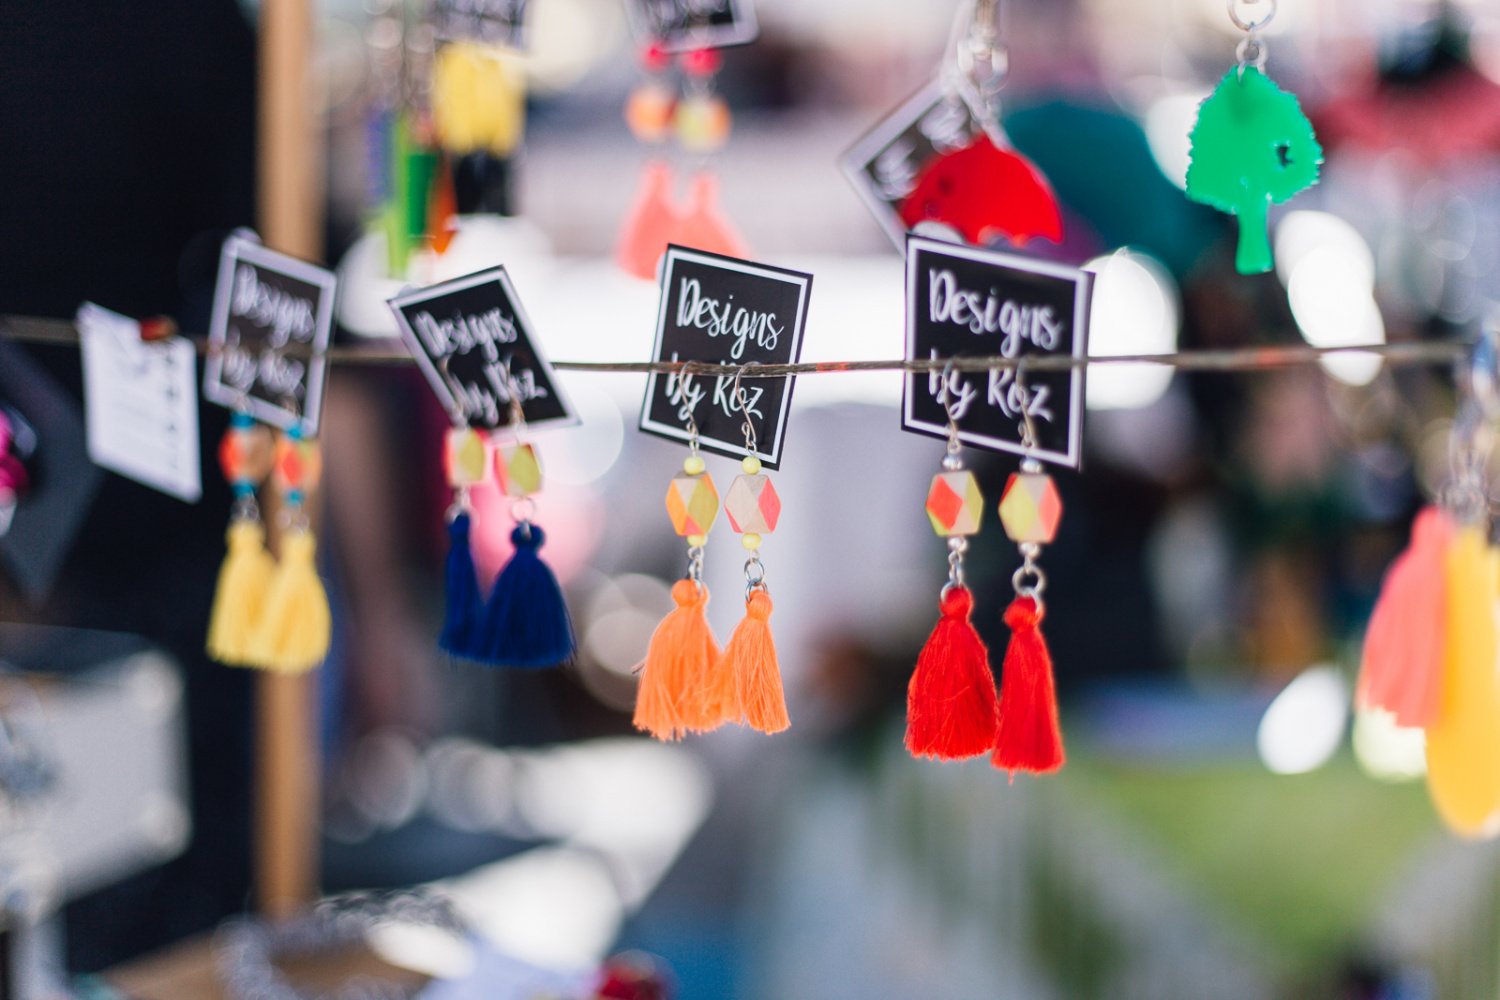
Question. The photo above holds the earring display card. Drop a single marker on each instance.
(683, 25)
(140, 403)
(969, 302)
(885, 164)
(473, 342)
(493, 22)
(729, 312)
(272, 318)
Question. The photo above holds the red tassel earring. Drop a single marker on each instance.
(1029, 737)
(951, 711)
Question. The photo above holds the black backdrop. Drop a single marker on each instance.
(127, 155)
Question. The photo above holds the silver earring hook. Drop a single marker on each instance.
(1028, 428)
(456, 411)
(692, 423)
(517, 411)
(742, 399)
(951, 461)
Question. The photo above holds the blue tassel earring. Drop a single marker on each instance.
(464, 457)
(525, 621)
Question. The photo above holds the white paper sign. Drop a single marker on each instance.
(141, 402)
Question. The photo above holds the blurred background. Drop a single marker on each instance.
(1226, 825)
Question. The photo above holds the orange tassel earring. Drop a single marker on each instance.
(750, 663)
(677, 693)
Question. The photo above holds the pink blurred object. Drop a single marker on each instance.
(1455, 116)
(572, 516)
(1401, 669)
(656, 220)
(705, 226)
(650, 225)
(13, 476)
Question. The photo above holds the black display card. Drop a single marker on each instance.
(493, 22)
(884, 165)
(271, 322)
(970, 302)
(681, 25)
(474, 342)
(730, 312)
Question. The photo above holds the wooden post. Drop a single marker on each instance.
(291, 221)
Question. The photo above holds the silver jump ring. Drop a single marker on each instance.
(1034, 589)
(523, 510)
(1251, 24)
(1251, 51)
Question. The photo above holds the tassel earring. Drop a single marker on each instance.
(754, 507)
(1402, 663)
(464, 461)
(653, 218)
(245, 455)
(294, 632)
(951, 710)
(676, 694)
(1029, 737)
(525, 621)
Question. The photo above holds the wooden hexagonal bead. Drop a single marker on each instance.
(752, 504)
(299, 464)
(518, 469)
(692, 504)
(1030, 508)
(954, 503)
(463, 456)
(246, 453)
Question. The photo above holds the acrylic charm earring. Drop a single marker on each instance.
(1251, 146)
(982, 190)
(1029, 737)
(525, 621)
(245, 455)
(464, 460)
(677, 693)
(294, 632)
(753, 508)
(951, 709)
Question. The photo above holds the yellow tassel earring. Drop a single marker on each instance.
(294, 631)
(245, 576)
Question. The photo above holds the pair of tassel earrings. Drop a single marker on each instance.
(269, 613)
(701, 121)
(953, 710)
(523, 622)
(687, 684)
(1431, 647)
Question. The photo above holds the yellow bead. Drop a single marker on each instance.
(702, 123)
(750, 464)
(750, 540)
(694, 465)
(697, 541)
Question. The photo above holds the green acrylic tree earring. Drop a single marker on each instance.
(1251, 147)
